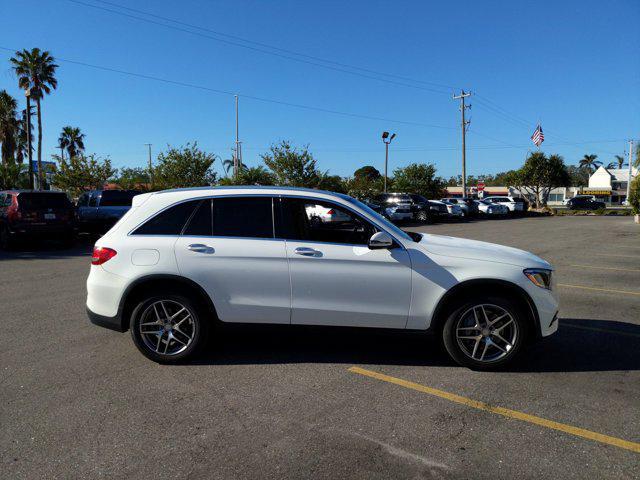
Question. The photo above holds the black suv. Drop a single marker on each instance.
(29, 214)
(416, 204)
(584, 203)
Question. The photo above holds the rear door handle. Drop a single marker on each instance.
(200, 248)
(307, 252)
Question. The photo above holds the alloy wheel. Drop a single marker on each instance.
(167, 327)
(486, 333)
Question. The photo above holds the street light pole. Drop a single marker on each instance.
(27, 93)
(387, 140)
(461, 97)
(630, 170)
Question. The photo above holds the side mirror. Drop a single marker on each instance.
(380, 240)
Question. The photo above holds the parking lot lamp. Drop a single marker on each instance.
(387, 140)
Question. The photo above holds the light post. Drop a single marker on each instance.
(387, 140)
(27, 93)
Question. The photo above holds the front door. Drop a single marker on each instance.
(335, 278)
(228, 247)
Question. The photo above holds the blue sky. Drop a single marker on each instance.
(573, 65)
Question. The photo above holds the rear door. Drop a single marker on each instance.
(229, 248)
(335, 278)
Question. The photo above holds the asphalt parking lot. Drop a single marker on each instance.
(78, 401)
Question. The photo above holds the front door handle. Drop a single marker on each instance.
(200, 248)
(307, 252)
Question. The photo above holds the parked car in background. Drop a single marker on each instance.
(523, 201)
(509, 202)
(491, 209)
(453, 211)
(438, 210)
(28, 214)
(409, 205)
(584, 202)
(182, 260)
(98, 210)
(467, 205)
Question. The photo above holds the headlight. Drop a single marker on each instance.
(539, 276)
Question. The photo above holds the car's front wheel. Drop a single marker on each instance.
(168, 328)
(422, 216)
(485, 333)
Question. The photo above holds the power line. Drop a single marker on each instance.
(291, 52)
(252, 97)
(257, 49)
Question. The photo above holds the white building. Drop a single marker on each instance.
(610, 185)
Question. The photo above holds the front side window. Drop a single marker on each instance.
(320, 221)
(170, 221)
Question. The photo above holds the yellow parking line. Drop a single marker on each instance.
(505, 412)
(625, 292)
(607, 268)
(596, 329)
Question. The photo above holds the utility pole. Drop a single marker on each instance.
(237, 159)
(27, 93)
(150, 165)
(630, 170)
(461, 97)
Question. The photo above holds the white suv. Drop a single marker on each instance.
(509, 202)
(181, 260)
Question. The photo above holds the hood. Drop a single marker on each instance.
(476, 250)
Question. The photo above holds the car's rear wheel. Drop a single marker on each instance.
(485, 333)
(168, 328)
(422, 217)
(6, 242)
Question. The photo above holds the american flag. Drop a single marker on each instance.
(538, 136)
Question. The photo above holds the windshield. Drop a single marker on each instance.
(43, 200)
(379, 218)
(117, 198)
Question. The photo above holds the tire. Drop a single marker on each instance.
(475, 352)
(169, 342)
(6, 242)
(422, 217)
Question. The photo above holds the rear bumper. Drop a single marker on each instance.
(26, 229)
(112, 323)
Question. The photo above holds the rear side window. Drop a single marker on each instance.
(43, 200)
(170, 221)
(201, 222)
(117, 198)
(242, 217)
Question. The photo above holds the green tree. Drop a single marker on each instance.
(634, 195)
(22, 141)
(579, 176)
(185, 166)
(619, 161)
(590, 162)
(36, 71)
(367, 172)
(418, 178)
(71, 140)
(82, 173)
(539, 175)
(249, 176)
(332, 183)
(363, 188)
(9, 126)
(13, 175)
(292, 167)
(136, 178)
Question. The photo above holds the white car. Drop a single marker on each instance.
(180, 260)
(509, 202)
(318, 213)
(491, 209)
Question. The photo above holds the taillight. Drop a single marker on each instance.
(102, 255)
(331, 212)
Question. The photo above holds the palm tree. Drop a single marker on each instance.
(71, 140)
(256, 176)
(227, 165)
(590, 162)
(36, 71)
(22, 141)
(8, 126)
(619, 161)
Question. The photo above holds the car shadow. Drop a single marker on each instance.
(580, 345)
